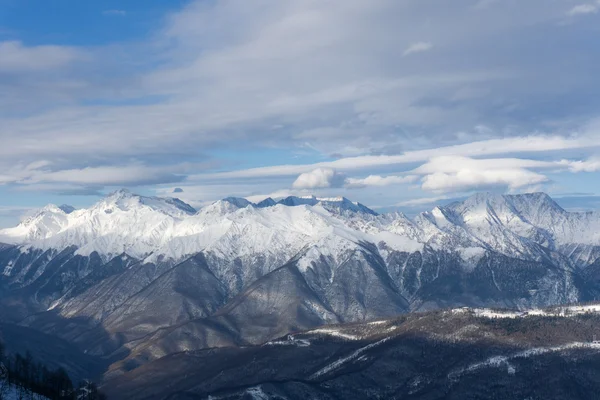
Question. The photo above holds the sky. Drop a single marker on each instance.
(398, 104)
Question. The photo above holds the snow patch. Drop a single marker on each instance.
(487, 313)
(355, 356)
(499, 361)
(335, 333)
(257, 393)
(561, 311)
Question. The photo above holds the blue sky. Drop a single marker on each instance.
(398, 104)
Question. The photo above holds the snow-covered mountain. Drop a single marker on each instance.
(143, 276)
(141, 226)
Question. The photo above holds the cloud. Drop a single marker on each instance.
(591, 165)
(39, 175)
(178, 190)
(421, 201)
(459, 174)
(468, 179)
(377, 180)
(13, 210)
(512, 145)
(578, 202)
(584, 9)
(319, 178)
(307, 78)
(120, 13)
(418, 47)
(15, 57)
(455, 163)
(12, 215)
(72, 190)
(224, 73)
(131, 175)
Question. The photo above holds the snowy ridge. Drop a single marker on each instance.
(143, 226)
(504, 361)
(357, 355)
(561, 311)
(521, 226)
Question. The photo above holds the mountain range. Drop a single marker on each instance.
(134, 279)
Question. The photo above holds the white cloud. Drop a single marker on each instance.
(13, 209)
(421, 201)
(454, 163)
(321, 75)
(469, 179)
(455, 174)
(525, 144)
(418, 47)
(319, 178)
(39, 175)
(591, 165)
(15, 214)
(106, 175)
(377, 180)
(584, 9)
(15, 57)
(226, 72)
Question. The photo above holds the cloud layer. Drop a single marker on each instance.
(263, 97)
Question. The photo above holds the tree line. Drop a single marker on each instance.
(30, 378)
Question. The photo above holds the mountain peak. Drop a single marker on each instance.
(538, 208)
(66, 208)
(293, 201)
(239, 202)
(519, 202)
(182, 205)
(119, 194)
(334, 204)
(537, 198)
(124, 200)
(338, 199)
(504, 222)
(337, 204)
(268, 202)
(342, 203)
(50, 208)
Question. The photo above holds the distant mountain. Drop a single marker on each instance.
(67, 209)
(268, 202)
(334, 204)
(133, 278)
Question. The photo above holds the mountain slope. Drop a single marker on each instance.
(134, 278)
(455, 354)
